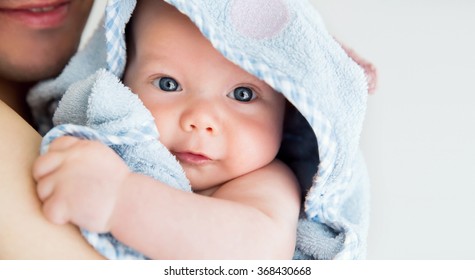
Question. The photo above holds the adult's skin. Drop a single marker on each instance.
(37, 37)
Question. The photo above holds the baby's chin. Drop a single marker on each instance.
(205, 191)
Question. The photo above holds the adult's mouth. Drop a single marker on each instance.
(39, 14)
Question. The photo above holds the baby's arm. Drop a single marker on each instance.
(254, 216)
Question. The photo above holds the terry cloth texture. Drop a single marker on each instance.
(284, 43)
(101, 108)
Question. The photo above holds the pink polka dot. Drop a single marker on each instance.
(259, 19)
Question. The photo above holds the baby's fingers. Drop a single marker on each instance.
(46, 164)
(63, 143)
(56, 210)
(45, 187)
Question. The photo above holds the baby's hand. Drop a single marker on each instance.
(80, 181)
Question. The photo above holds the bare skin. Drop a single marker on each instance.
(32, 49)
(26, 233)
(222, 124)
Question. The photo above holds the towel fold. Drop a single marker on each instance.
(101, 108)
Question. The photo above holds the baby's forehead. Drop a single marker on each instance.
(161, 22)
(157, 11)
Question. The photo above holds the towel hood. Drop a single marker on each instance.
(284, 43)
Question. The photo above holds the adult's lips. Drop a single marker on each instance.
(38, 14)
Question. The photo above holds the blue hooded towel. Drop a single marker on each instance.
(282, 42)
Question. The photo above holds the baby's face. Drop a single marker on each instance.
(218, 120)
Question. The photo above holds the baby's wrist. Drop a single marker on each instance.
(117, 213)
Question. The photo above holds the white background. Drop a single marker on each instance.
(419, 137)
(419, 134)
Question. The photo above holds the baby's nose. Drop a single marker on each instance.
(200, 118)
(207, 128)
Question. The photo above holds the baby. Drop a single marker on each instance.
(221, 123)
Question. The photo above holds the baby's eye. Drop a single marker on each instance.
(167, 84)
(242, 94)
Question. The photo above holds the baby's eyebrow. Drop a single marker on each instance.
(158, 63)
(262, 84)
(253, 80)
(154, 58)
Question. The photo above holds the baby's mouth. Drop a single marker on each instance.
(192, 158)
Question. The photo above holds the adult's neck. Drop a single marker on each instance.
(14, 95)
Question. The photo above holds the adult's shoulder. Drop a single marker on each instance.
(19, 142)
(26, 234)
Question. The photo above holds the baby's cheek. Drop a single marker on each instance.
(165, 135)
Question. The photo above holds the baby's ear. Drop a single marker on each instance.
(368, 67)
